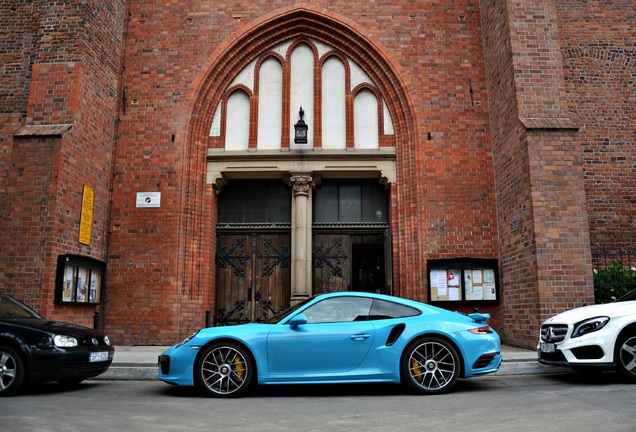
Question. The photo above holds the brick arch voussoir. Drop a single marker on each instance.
(619, 59)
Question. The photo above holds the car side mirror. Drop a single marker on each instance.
(297, 321)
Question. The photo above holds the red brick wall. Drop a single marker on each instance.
(599, 54)
(543, 231)
(428, 62)
(488, 156)
(16, 51)
(66, 58)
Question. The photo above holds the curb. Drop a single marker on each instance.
(122, 372)
(148, 372)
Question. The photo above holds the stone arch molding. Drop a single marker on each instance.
(330, 36)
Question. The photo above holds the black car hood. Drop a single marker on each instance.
(56, 327)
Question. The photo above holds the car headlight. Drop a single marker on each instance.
(589, 325)
(64, 341)
(106, 340)
(188, 339)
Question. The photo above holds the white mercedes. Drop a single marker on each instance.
(593, 338)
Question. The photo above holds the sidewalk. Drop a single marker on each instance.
(140, 363)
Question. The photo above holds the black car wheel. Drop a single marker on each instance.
(626, 356)
(11, 371)
(224, 370)
(430, 366)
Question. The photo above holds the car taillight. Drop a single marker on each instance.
(481, 330)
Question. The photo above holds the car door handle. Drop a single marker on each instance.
(360, 336)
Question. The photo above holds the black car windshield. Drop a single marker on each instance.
(286, 312)
(627, 297)
(11, 308)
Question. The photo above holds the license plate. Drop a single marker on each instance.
(98, 356)
(547, 347)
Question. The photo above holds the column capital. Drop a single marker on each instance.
(301, 184)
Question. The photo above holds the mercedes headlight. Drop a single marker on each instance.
(589, 325)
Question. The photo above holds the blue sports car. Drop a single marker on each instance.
(344, 337)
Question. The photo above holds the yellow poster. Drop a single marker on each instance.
(86, 219)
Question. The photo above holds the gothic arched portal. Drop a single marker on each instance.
(243, 110)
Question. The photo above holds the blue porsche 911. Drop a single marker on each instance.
(344, 337)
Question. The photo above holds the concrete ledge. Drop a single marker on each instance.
(129, 373)
(529, 367)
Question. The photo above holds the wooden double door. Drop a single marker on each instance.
(253, 279)
(253, 273)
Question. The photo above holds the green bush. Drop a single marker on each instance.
(612, 282)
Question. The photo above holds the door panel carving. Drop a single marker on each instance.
(332, 263)
(253, 277)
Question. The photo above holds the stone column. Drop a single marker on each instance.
(301, 184)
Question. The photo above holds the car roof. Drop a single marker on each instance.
(378, 296)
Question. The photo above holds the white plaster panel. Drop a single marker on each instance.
(302, 92)
(237, 130)
(246, 77)
(358, 76)
(334, 129)
(388, 121)
(282, 48)
(215, 129)
(270, 105)
(322, 48)
(365, 120)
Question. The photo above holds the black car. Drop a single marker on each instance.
(33, 349)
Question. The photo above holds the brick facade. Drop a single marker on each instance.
(57, 124)
(514, 138)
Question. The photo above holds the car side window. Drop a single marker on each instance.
(12, 309)
(382, 309)
(339, 309)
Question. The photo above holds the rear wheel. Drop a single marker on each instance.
(626, 356)
(224, 370)
(430, 366)
(12, 371)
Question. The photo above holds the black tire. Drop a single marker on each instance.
(224, 370)
(626, 356)
(430, 366)
(12, 371)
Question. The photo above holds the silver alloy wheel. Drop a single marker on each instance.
(224, 371)
(432, 366)
(8, 370)
(627, 358)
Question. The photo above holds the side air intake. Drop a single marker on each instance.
(395, 334)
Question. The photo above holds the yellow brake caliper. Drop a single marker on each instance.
(415, 365)
(239, 368)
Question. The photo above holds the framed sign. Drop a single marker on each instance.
(79, 279)
(462, 280)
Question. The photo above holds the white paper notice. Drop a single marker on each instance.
(477, 276)
(490, 293)
(440, 277)
(453, 293)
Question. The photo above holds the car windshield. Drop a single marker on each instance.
(11, 308)
(286, 312)
(627, 297)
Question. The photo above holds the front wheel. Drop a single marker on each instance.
(430, 366)
(626, 356)
(224, 370)
(12, 371)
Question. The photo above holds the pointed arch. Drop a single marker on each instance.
(295, 23)
(196, 203)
